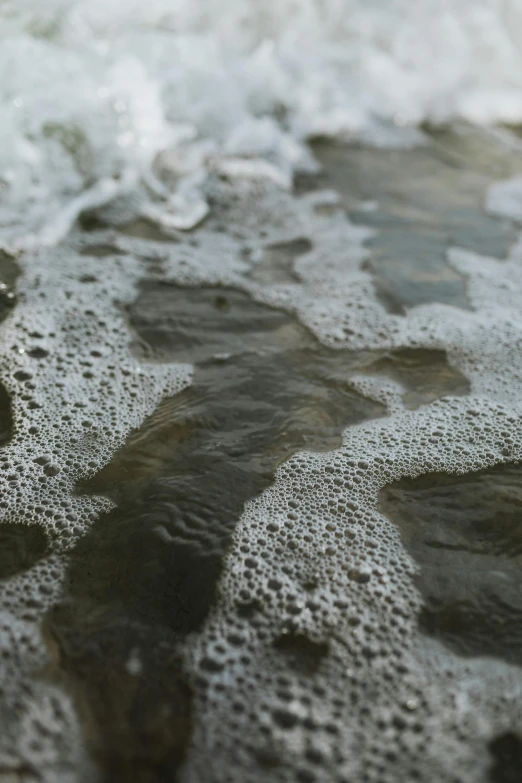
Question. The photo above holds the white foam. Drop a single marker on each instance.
(169, 93)
(505, 198)
(382, 687)
(96, 88)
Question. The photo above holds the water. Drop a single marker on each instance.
(506, 752)
(146, 573)
(136, 105)
(465, 533)
(135, 711)
(238, 569)
(21, 548)
(438, 202)
(260, 415)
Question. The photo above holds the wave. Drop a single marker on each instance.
(137, 104)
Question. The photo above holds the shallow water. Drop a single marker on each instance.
(260, 442)
(422, 201)
(343, 620)
(147, 572)
(465, 532)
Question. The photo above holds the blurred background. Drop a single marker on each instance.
(101, 98)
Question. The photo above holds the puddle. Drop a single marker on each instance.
(465, 533)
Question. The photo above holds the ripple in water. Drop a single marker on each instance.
(145, 574)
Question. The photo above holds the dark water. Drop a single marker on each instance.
(263, 389)
(129, 688)
(6, 415)
(429, 198)
(507, 754)
(9, 273)
(21, 546)
(465, 532)
(145, 574)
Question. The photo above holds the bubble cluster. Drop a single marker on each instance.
(75, 392)
(311, 666)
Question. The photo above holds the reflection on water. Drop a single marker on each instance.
(465, 532)
(146, 573)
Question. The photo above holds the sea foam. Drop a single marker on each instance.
(140, 101)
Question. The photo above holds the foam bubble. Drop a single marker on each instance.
(311, 665)
(140, 102)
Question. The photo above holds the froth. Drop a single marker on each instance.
(311, 666)
(137, 104)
